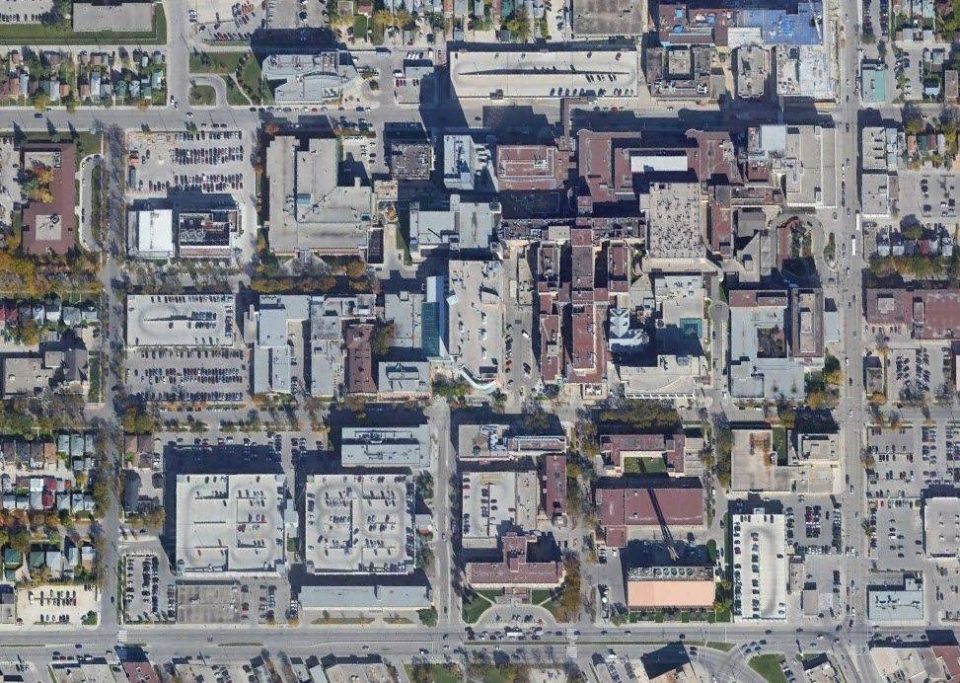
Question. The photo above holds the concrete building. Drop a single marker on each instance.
(310, 78)
(359, 524)
(676, 220)
(917, 662)
(231, 523)
(490, 442)
(476, 71)
(805, 71)
(495, 502)
(775, 337)
(759, 566)
(671, 588)
(153, 229)
(298, 341)
(375, 598)
(464, 226)
(410, 160)
(310, 211)
(408, 447)
(466, 163)
(475, 332)
(897, 604)
(941, 527)
(804, 157)
(762, 462)
(397, 380)
(181, 320)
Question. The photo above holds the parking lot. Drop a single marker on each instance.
(919, 371)
(813, 527)
(897, 540)
(149, 594)
(263, 601)
(24, 11)
(210, 161)
(226, 20)
(188, 375)
(910, 65)
(57, 605)
(930, 195)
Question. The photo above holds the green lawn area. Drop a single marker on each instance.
(644, 466)
(235, 95)
(474, 606)
(538, 596)
(203, 95)
(768, 666)
(215, 62)
(439, 673)
(780, 444)
(251, 78)
(360, 26)
(62, 33)
(244, 66)
(93, 395)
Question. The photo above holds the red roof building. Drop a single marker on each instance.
(923, 314)
(614, 447)
(634, 506)
(359, 375)
(514, 570)
(531, 168)
(50, 227)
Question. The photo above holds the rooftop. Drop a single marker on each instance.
(180, 320)
(230, 523)
(386, 447)
(309, 209)
(359, 523)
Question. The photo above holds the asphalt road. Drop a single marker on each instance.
(167, 641)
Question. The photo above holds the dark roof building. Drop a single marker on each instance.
(923, 314)
(50, 226)
(359, 379)
(515, 570)
(555, 485)
(632, 505)
(526, 168)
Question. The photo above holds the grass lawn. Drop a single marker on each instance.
(780, 444)
(62, 33)
(216, 62)
(438, 673)
(359, 26)
(235, 95)
(768, 666)
(203, 95)
(474, 607)
(94, 393)
(251, 78)
(538, 596)
(644, 466)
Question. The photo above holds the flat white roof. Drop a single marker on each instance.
(759, 555)
(359, 523)
(180, 320)
(230, 523)
(155, 232)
